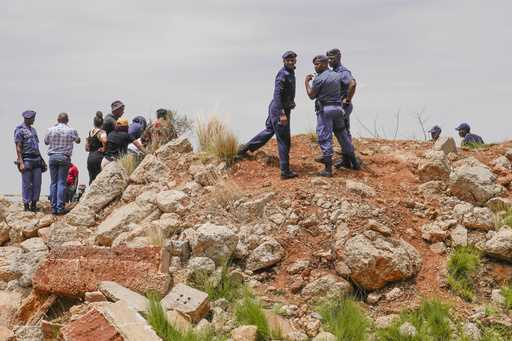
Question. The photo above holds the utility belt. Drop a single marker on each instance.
(319, 105)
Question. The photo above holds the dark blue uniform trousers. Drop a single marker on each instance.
(330, 120)
(347, 109)
(31, 180)
(282, 132)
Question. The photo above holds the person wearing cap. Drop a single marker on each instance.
(137, 127)
(117, 142)
(29, 161)
(109, 123)
(60, 139)
(435, 132)
(468, 139)
(326, 91)
(278, 120)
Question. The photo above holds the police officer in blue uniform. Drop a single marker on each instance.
(326, 91)
(467, 138)
(278, 120)
(29, 160)
(435, 132)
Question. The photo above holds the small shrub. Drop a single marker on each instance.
(431, 320)
(217, 140)
(129, 162)
(462, 266)
(344, 318)
(182, 124)
(506, 292)
(225, 286)
(248, 311)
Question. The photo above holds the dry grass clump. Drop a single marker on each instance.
(217, 140)
(129, 162)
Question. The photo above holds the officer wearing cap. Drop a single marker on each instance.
(109, 123)
(29, 160)
(326, 91)
(435, 132)
(278, 120)
(468, 139)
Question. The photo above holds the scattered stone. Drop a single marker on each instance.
(151, 169)
(480, 218)
(373, 263)
(188, 301)
(434, 167)
(267, 254)
(170, 201)
(199, 267)
(497, 297)
(500, 246)
(128, 323)
(501, 161)
(179, 321)
(325, 336)
(8, 264)
(254, 208)
(433, 232)
(386, 321)
(327, 285)
(34, 245)
(393, 294)
(279, 325)
(90, 326)
(473, 182)
(81, 216)
(459, 236)
(244, 333)
(438, 248)
(60, 233)
(29, 333)
(298, 266)
(296, 336)
(373, 298)
(342, 269)
(360, 188)
(75, 270)
(446, 145)
(168, 151)
(94, 296)
(379, 227)
(431, 188)
(22, 225)
(214, 241)
(407, 330)
(116, 292)
(499, 204)
(471, 331)
(205, 175)
(4, 233)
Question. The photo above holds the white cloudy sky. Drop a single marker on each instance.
(449, 59)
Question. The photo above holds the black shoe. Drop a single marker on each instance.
(242, 153)
(63, 211)
(288, 175)
(327, 172)
(355, 162)
(26, 207)
(344, 162)
(319, 159)
(33, 207)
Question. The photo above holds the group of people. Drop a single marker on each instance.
(332, 89)
(109, 139)
(464, 129)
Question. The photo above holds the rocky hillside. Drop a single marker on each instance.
(234, 252)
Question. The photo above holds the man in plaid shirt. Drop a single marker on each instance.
(60, 139)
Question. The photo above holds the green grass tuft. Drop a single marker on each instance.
(431, 320)
(507, 219)
(462, 266)
(224, 286)
(506, 292)
(157, 319)
(217, 140)
(129, 162)
(248, 311)
(344, 318)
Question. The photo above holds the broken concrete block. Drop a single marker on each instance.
(75, 270)
(90, 326)
(116, 292)
(179, 321)
(187, 300)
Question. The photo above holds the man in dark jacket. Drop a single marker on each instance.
(278, 120)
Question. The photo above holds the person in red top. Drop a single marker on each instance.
(72, 182)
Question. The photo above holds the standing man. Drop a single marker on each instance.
(29, 160)
(468, 139)
(278, 120)
(326, 90)
(109, 123)
(60, 139)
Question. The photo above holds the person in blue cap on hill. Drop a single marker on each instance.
(278, 120)
(29, 160)
(467, 138)
(435, 132)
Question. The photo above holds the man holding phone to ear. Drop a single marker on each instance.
(278, 120)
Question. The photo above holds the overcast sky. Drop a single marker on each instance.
(447, 59)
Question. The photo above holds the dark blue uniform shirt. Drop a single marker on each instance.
(29, 140)
(327, 86)
(471, 139)
(284, 91)
(346, 77)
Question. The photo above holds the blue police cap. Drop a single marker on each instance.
(289, 54)
(435, 129)
(463, 126)
(29, 114)
(321, 58)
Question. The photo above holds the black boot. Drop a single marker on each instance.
(242, 152)
(319, 159)
(344, 162)
(33, 206)
(26, 207)
(288, 174)
(327, 172)
(355, 162)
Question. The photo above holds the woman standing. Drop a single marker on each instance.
(96, 144)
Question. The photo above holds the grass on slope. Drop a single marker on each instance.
(157, 319)
(129, 162)
(344, 318)
(217, 140)
(462, 266)
(224, 286)
(431, 320)
(248, 311)
(506, 292)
